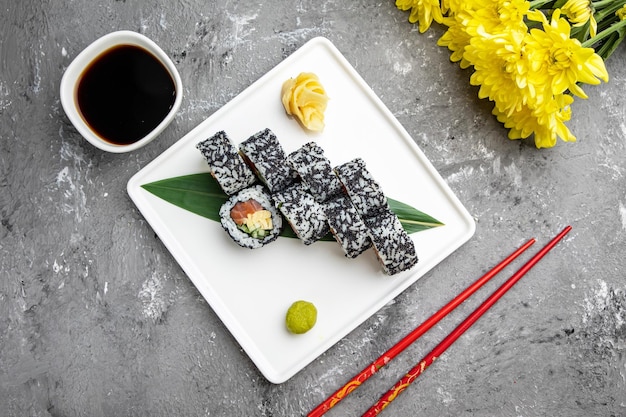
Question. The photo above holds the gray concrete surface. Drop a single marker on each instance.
(97, 319)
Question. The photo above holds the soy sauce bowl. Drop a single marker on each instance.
(121, 122)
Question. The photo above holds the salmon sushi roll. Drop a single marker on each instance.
(264, 154)
(226, 165)
(346, 226)
(393, 246)
(365, 193)
(315, 171)
(250, 218)
(306, 216)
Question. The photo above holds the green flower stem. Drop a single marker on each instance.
(602, 35)
(609, 46)
(614, 6)
(600, 4)
(538, 4)
(605, 24)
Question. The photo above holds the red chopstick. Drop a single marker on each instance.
(386, 357)
(403, 383)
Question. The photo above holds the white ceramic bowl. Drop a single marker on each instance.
(71, 78)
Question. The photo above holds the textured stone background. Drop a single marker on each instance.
(97, 319)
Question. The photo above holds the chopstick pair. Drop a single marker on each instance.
(386, 357)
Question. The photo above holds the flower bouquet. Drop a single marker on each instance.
(528, 58)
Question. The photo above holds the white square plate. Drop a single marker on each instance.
(250, 290)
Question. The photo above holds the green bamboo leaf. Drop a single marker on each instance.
(197, 193)
(202, 195)
(412, 219)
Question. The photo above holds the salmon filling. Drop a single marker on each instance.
(251, 218)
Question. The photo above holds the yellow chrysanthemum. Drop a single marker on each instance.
(546, 123)
(531, 76)
(579, 12)
(526, 74)
(469, 17)
(494, 16)
(563, 58)
(483, 14)
(513, 12)
(455, 39)
(499, 68)
(422, 11)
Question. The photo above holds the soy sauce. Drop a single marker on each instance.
(125, 93)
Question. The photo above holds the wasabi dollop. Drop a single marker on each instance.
(301, 317)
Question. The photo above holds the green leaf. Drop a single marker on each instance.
(412, 219)
(202, 195)
(197, 193)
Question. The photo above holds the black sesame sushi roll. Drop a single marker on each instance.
(315, 171)
(346, 226)
(250, 217)
(266, 157)
(306, 216)
(393, 246)
(364, 191)
(226, 165)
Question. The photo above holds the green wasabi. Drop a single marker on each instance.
(301, 317)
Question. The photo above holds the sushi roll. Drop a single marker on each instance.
(226, 165)
(364, 191)
(306, 216)
(250, 217)
(393, 246)
(266, 157)
(315, 171)
(346, 226)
